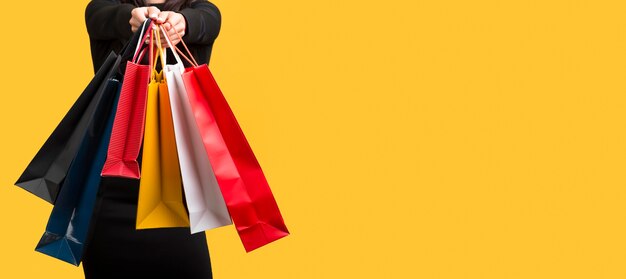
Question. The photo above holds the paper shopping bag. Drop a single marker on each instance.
(47, 170)
(128, 125)
(205, 203)
(70, 220)
(247, 194)
(160, 203)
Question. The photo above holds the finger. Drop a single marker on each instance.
(162, 17)
(134, 27)
(171, 34)
(180, 29)
(153, 13)
(135, 22)
(173, 18)
(167, 26)
(176, 18)
(139, 17)
(142, 11)
(174, 36)
(172, 39)
(169, 37)
(175, 23)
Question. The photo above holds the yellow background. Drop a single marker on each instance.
(401, 139)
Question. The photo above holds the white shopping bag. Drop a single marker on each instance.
(207, 209)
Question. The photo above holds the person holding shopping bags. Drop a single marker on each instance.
(117, 249)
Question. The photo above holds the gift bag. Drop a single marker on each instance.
(47, 170)
(69, 223)
(207, 209)
(242, 182)
(160, 203)
(128, 126)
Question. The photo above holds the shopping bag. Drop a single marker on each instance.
(71, 219)
(69, 223)
(247, 194)
(205, 203)
(129, 120)
(160, 203)
(47, 170)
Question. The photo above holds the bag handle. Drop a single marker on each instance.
(151, 57)
(186, 48)
(159, 53)
(133, 43)
(169, 43)
(176, 49)
(141, 36)
(141, 42)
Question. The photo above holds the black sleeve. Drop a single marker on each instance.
(108, 19)
(203, 22)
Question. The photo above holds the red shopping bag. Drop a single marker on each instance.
(242, 182)
(129, 121)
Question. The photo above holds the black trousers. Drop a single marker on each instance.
(117, 250)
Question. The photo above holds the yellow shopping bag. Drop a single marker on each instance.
(160, 203)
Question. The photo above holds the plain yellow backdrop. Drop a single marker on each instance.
(401, 139)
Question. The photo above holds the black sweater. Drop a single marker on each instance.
(109, 28)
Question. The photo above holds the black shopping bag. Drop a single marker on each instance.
(45, 174)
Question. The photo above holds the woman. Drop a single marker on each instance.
(116, 248)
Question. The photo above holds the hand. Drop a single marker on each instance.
(139, 15)
(173, 23)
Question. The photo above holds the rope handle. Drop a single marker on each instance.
(191, 61)
(142, 39)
